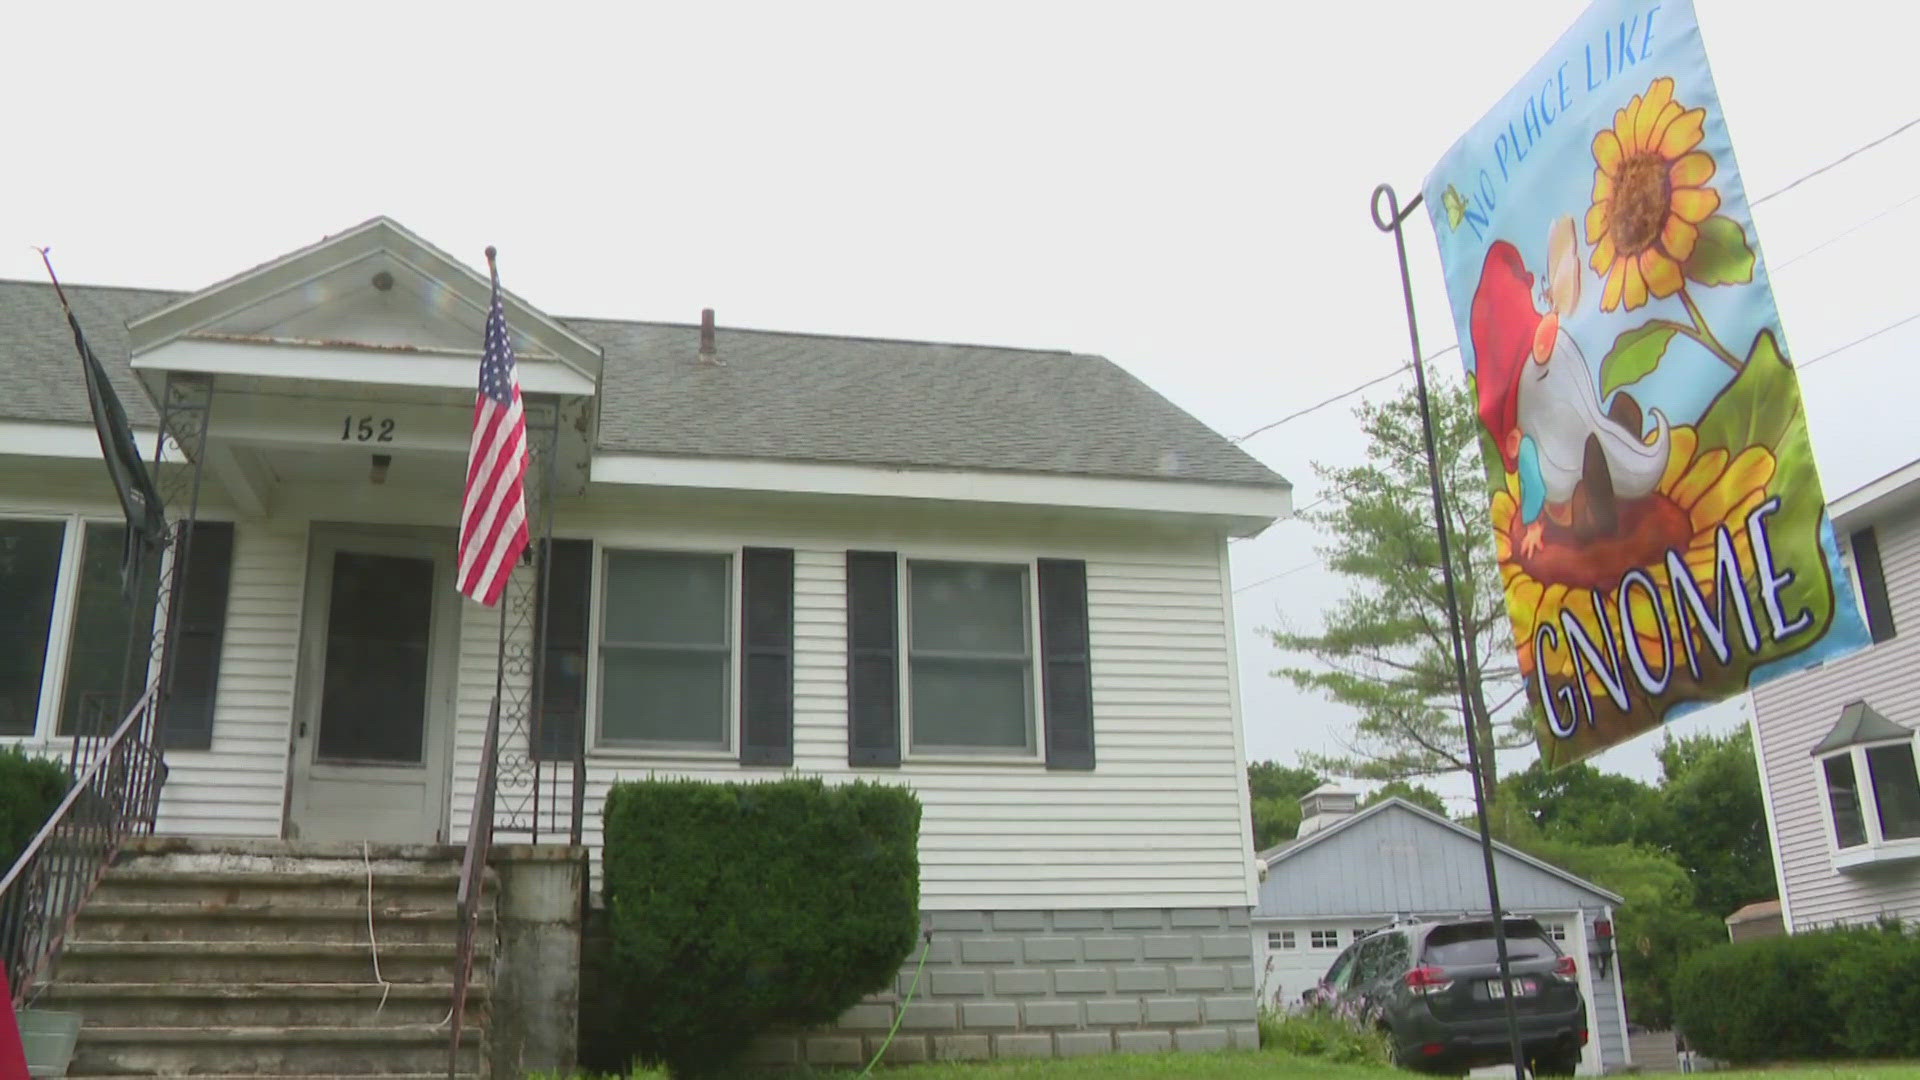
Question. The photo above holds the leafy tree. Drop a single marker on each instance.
(1418, 794)
(1276, 792)
(1717, 819)
(1582, 804)
(1385, 650)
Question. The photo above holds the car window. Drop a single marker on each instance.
(1396, 955)
(1467, 944)
(1366, 962)
(1342, 967)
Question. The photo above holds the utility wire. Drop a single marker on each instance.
(1805, 364)
(1343, 395)
(1829, 166)
(1837, 162)
(1276, 577)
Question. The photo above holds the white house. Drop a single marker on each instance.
(996, 575)
(1835, 744)
(1350, 872)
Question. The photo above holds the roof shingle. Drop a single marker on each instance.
(782, 396)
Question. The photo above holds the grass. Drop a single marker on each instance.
(1255, 1065)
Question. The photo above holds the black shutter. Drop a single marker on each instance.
(563, 649)
(873, 659)
(766, 649)
(199, 587)
(1066, 671)
(1873, 584)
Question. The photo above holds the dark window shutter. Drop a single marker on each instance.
(1873, 584)
(567, 604)
(200, 586)
(766, 650)
(873, 658)
(1066, 670)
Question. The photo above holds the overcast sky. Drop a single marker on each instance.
(1182, 188)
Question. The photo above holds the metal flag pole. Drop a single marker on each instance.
(1392, 221)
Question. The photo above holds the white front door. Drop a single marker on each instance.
(375, 703)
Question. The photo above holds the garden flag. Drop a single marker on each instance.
(1662, 537)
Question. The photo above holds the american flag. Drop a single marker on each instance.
(493, 523)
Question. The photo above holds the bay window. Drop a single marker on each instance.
(1870, 780)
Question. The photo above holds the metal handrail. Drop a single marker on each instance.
(115, 795)
(473, 869)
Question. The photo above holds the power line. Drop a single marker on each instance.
(1276, 577)
(1837, 237)
(1804, 365)
(1343, 395)
(1837, 162)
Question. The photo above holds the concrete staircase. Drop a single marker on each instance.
(254, 958)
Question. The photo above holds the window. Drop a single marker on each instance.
(105, 628)
(1873, 584)
(1557, 931)
(1280, 939)
(1867, 767)
(666, 650)
(969, 658)
(1324, 939)
(1359, 934)
(29, 572)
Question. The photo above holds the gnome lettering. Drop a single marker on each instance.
(1618, 658)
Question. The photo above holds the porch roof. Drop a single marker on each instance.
(788, 396)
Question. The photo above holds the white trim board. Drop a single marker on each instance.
(1253, 508)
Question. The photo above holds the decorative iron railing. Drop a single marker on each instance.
(115, 793)
(473, 872)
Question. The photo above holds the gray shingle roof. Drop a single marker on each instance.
(782, 396)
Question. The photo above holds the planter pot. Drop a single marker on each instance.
(49, 1038)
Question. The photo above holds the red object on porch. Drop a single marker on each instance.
(13, 1053)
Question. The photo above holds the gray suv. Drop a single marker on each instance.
(1433, 988)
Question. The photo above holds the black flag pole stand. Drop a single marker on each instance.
(1390, 217)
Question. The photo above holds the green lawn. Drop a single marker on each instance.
(1263, 1065)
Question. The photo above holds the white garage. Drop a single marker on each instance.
(1350, 872)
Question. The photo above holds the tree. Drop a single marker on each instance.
(1385, 649)
(1580, 803)
(1718, 819)
(1418, 794)
(1276, 791)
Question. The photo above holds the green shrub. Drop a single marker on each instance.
(1874, 988)
(30, 789)
(735, 908)
(1844, 992)
(1322, 1033)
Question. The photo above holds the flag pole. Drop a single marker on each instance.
(1392, 221)
(130, 588)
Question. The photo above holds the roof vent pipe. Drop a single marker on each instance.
(707, 353)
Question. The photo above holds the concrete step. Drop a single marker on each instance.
(338, 887)
(172, 1004)
(271, 1051)
(250, 919)
(262, 961)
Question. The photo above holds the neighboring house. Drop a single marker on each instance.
(998, 576)
(1350, 872)
(1759, 919)
(1835, 744)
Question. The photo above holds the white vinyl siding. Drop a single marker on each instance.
(238, 786)
(1793, 713)
(1156, 824)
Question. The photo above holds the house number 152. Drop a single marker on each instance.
(366, 429)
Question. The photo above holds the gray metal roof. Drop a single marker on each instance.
(782, 396)
(1859, 724)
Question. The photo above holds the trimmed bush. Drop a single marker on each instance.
(1844, 992)
(30, 789)
(736, 908)
(1322, 1033)
(1874, 987)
